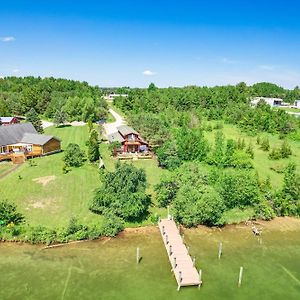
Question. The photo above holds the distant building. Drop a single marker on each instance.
(111, 96)
(9, 120)
(273, 102)
(130, 140)
(19, 141)
(297, 104)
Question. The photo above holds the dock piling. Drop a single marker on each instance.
(240, 276)
(220, 250)
(137, 255)
(200, 278)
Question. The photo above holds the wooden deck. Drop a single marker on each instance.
(182, 264)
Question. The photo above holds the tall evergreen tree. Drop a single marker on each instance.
(93, 146)
(35, 120)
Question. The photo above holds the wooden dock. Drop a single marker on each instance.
(182, 264)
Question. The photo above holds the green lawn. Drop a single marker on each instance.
(69, 194)
(5, 166)
(66, 195)
(290, 109)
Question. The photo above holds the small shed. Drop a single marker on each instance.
(9, 120)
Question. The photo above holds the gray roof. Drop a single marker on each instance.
(125, 130)
(115, 137)
(36, 139)
(13, 134)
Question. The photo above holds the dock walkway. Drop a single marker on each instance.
(182, 264)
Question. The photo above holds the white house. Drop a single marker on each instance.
(270, 101)
(297, 104)
(111, 97)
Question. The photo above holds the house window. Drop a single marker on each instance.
(29, 148)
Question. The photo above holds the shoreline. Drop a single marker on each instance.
(282, 224)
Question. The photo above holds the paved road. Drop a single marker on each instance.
(110, 128)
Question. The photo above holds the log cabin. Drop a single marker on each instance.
(130, 140)
(8, 121)
(19, 141)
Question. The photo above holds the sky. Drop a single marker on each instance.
(135, 42)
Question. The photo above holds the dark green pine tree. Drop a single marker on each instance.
(35, 120)
(93, 146)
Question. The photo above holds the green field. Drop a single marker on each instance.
(264, 166)
(65, 195)
(5, 166)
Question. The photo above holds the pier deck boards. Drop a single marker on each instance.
(185, 272)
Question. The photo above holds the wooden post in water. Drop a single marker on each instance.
(174, 262)
(179, 280)
(220, 250)
(200, 278)
(170, 250)
(167, 240)
(240, 276)
(163, 230)
(137, 255)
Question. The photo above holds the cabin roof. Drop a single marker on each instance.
(36, 139)
(115, 137)
(13, 134)
(125, 130)
(6, 119)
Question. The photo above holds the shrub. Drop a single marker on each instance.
(73, 156)
(111, 225)
(9, 214)
(285, 150)
(201, 205)
(238, 188)
(275, 154)
(264, 211)
(265, 144)
(165, 192)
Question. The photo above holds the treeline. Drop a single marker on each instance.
(50, 96)
(154, 108)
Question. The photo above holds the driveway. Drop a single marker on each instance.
(46, 124)
(110, 128)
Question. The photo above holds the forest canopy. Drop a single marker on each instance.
(50, 96)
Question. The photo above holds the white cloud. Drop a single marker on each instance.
(267, 67)
(7, 39)
(149, 73)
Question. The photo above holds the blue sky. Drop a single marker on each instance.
(170, 43)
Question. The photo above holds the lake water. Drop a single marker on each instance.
(107, 269)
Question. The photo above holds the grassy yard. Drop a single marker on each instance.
(48, 197)
(264, 166)
(65, 195)
(5, 166)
